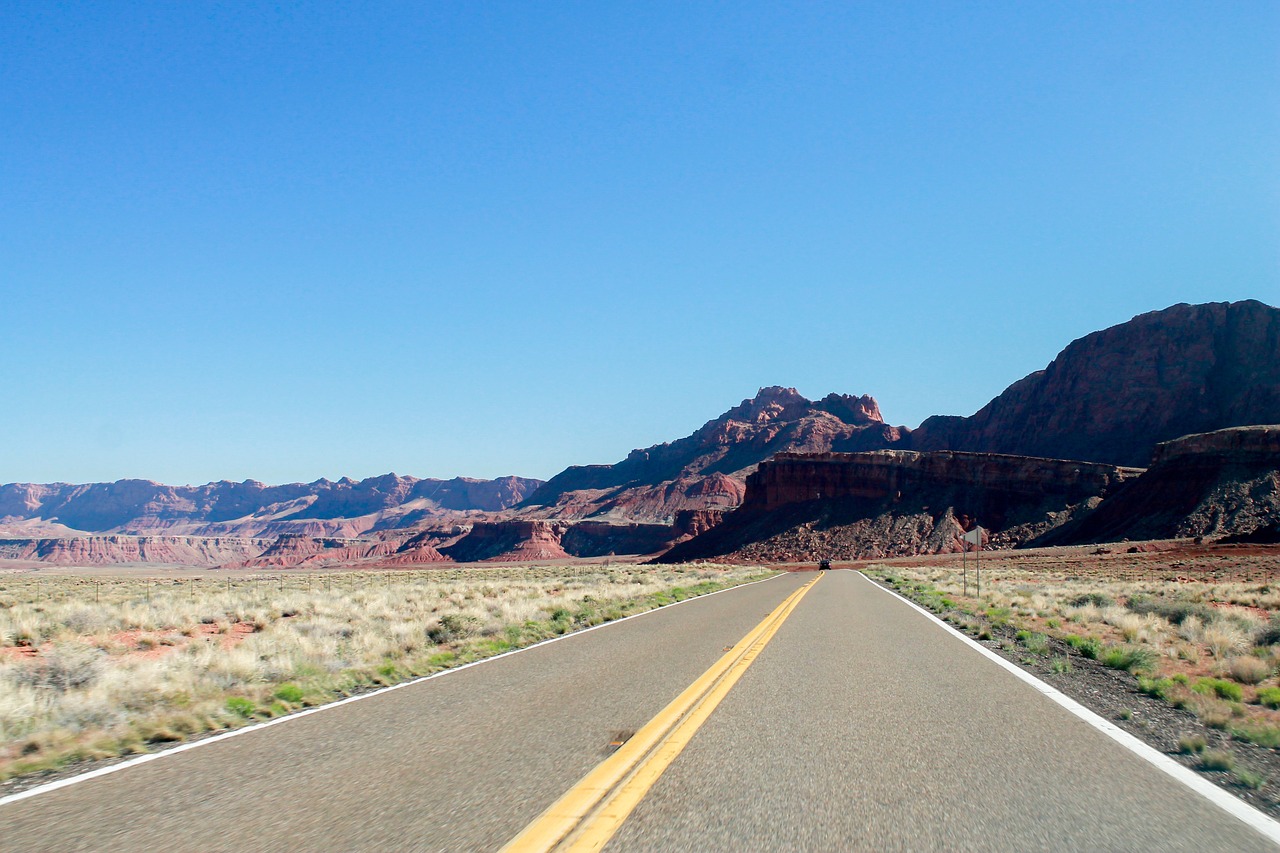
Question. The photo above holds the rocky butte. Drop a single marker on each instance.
(1223, 484)
(707, 470)
(895, 502)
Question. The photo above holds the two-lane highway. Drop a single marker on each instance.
(858, 724)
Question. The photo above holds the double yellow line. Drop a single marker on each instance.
(588, 815)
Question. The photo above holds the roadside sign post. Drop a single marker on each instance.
(974, 537)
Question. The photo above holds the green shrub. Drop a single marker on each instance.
(1175, 611)
(1097, 599)
(1129, 658)
(291, 693)
(1160, 688)
(1259, 733)
(1219, 687)
(1037, 644)
(999, 615)
(1060, 665)
(241, 706)
(1217, 760)
(1269, 696)
(1249, 779)
(1192, 744)
(1090, 647)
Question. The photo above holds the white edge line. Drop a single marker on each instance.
(1222, 799)
(49, 787)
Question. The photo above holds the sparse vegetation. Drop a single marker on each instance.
(1249, 779)
(1217, 760)
(92, 669)
(1219, 687)
(1203, 640)
(1249, 670)
(1129, 658)
(1192, 745)
(1036, 643)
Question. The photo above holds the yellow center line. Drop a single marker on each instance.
(592, 810)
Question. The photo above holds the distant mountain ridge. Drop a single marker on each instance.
(343, 508)
(708, 469)
(1109, 397)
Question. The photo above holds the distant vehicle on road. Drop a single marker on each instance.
(824, 565)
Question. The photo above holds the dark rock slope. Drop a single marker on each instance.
(1111, 396)
(894, 503)
(1223, 484)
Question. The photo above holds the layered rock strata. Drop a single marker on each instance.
(1222, 484)
(891, 503)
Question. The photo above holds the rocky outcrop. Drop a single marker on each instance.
(706, 470)
(323, 508)
(891, 503)
(603, 539)
(293, 550)
(1111, 396)
(508, 541)
(1222, 484)
(524, 540)
(117, 550)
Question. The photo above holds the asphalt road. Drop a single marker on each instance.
(862, 725)
(459, 762)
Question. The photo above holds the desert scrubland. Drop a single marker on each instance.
(94, 666)
(1180, 645)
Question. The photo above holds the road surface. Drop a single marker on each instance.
(861, 725)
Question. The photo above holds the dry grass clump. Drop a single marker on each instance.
(1249, 670)
(90, 670)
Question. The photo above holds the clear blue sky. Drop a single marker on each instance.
(284, 241)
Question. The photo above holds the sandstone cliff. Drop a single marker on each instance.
(117, 550)
(893, 503)
(1219, 484)
(1111, 396)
